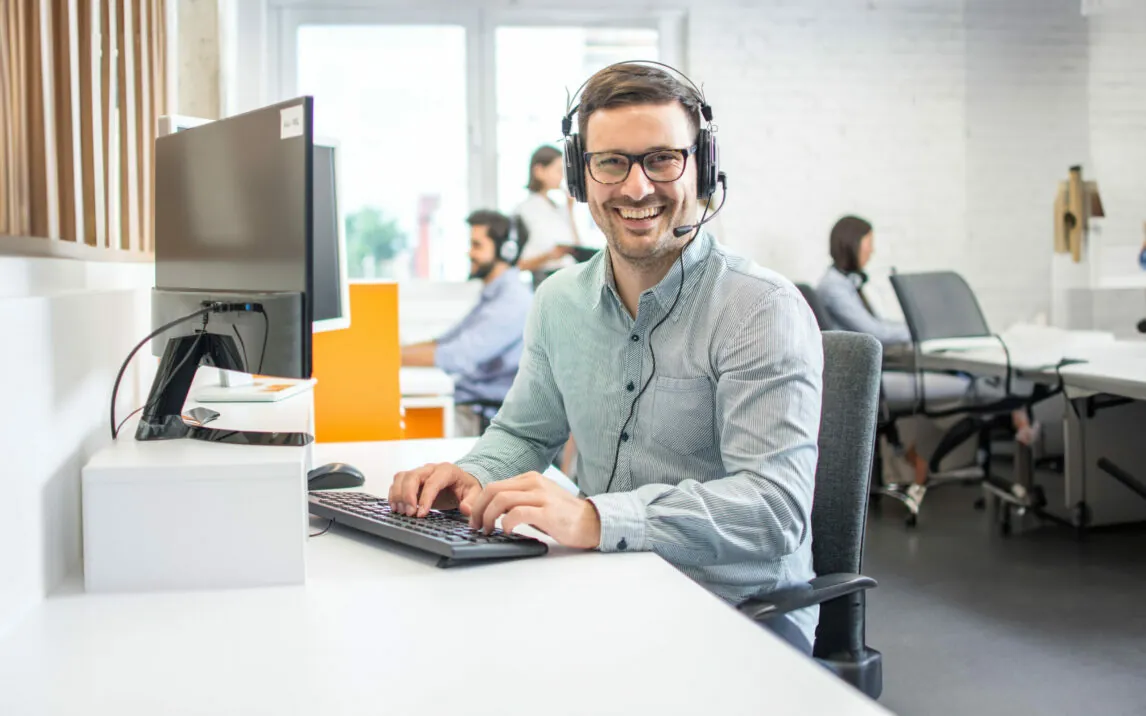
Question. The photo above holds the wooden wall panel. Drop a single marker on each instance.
(82, 83)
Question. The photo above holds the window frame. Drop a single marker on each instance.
(481, 22)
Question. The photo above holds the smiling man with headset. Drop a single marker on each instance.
(689, 376)
(483, 350)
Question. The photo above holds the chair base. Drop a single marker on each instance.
(864, 670)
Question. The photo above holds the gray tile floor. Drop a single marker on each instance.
(970, 622)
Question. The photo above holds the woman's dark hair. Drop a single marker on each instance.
(542, 157)
(845, 242)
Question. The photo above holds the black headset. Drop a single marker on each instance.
(707, 155)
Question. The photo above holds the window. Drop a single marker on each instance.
(438, 112)
(395, 99)
(537, 69)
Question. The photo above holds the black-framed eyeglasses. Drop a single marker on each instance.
(659, 165)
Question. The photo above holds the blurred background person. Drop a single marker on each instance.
(550, 223)
(483, 350)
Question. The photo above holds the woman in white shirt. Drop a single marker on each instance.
(551, 226)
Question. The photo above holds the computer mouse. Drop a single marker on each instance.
(334, 476)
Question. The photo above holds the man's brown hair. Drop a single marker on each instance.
(630, 84)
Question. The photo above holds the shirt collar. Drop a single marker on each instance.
(665, 291)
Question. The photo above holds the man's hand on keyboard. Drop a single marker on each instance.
(533, 499)
(442, 486)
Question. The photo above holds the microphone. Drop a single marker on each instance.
(1142, 326)
(682, 230)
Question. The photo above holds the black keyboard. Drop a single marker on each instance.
(446, 534)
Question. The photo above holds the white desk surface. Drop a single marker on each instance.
(1112, 366)
(424, 381)
(377, 629)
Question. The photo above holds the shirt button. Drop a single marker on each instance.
(635, 337)
(624, 437)
(622, 545)
(630, 387)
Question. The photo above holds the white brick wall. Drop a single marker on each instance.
(1026, 125)
(944, 123)
(1117, 104)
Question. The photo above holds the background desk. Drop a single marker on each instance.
(378, 629)
(1115, 368)
(427, 402)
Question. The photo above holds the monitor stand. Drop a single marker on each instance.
(162, 417)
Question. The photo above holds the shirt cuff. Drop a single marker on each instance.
(622, 517)
(483, 475)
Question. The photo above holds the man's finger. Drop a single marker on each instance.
(523, 515)
(489, 492)
(411, 487)
(439, 478)
(505, 502)
(472, 491)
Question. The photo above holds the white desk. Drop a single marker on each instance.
(428, 388)
(377, 629)
(1112, 367)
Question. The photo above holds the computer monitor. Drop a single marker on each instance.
(331, 285)
(234, 259)
(331, 305)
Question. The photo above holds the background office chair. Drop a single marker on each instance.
(839, 515)
(940, 304)
(484, 410)
(817, 306)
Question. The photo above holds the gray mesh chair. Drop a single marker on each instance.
(839, 515)
(817, 306)
(940, 304)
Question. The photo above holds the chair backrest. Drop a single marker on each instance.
(939, 304)
(817, 306)
(852, 366)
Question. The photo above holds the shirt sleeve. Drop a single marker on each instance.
(488, 330)
(843, 303)
(531, 426)
(768, 411)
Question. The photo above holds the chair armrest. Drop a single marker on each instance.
(819, 590)
(480, 403)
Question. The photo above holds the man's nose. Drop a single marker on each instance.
(636, 185)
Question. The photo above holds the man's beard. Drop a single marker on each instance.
(624, 244)
(480, 271)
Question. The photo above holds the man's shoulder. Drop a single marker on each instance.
(740, 283)
(570, 284)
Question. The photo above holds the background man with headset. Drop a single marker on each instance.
(689, 376)
(484, 349)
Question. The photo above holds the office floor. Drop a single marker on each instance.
(973, 623)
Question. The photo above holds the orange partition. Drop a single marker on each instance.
(357, 395)
(423, 423)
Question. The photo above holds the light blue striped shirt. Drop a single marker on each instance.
(716, 469)
(484, 348)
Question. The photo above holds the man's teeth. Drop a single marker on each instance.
(648, 213)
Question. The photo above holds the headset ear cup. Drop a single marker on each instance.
(510, 248)
(509, 251)
(706, 165)
(575, 168)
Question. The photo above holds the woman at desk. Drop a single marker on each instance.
(551, 227)
(841, 291)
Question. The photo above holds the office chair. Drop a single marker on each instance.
(839, 514)
(484, 410)
(940, 304)
(817, 306)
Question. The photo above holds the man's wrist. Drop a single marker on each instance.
(591, 525)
